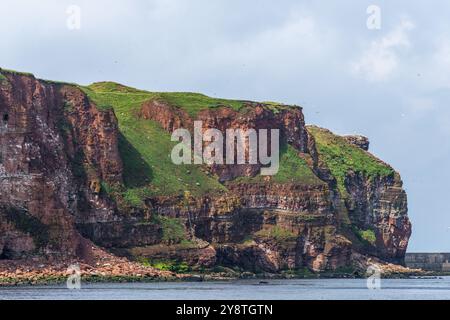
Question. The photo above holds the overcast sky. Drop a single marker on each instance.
(391, 84)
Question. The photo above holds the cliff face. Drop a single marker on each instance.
(69, 177)
(32, 158)
(56, 147)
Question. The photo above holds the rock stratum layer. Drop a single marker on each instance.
(82, 167)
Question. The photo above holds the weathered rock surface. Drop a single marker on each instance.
(381, 204)
(359, 141)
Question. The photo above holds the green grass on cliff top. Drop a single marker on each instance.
(342, 157)
(192, 103)
(6, 71)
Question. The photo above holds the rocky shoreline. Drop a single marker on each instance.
(102, 266)
(17, 273)
(33, 279)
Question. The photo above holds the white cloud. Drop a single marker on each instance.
(380, 60)
(286, 48)
(443, 53)
(420, 105)
(439, 63)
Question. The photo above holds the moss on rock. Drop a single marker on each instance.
(341, 158)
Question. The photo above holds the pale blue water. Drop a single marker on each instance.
(334, 289)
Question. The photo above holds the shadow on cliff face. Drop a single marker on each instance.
(23, 222)
(136, 172)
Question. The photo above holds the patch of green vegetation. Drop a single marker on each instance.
(109, 86)
(56, 82)
(145, 149)
(192, 103)
(276, 107)
(367, 236)
(299, 272)
(293, 169)
(106, 188)
(173, 230)
(277, 233)
(165, 265)
(134, 197)
(16, 72)
(342, 157)
(2, 77)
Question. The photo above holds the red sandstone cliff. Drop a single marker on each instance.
(57, 148)
(50, 136)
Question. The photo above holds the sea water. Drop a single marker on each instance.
(298, 289)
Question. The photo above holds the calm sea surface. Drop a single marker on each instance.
(334, 289)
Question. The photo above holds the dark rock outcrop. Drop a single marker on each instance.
(359, 141)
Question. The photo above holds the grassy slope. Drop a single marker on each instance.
(145, 149)
(293, 169)
(194, 102)
(342, 157)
